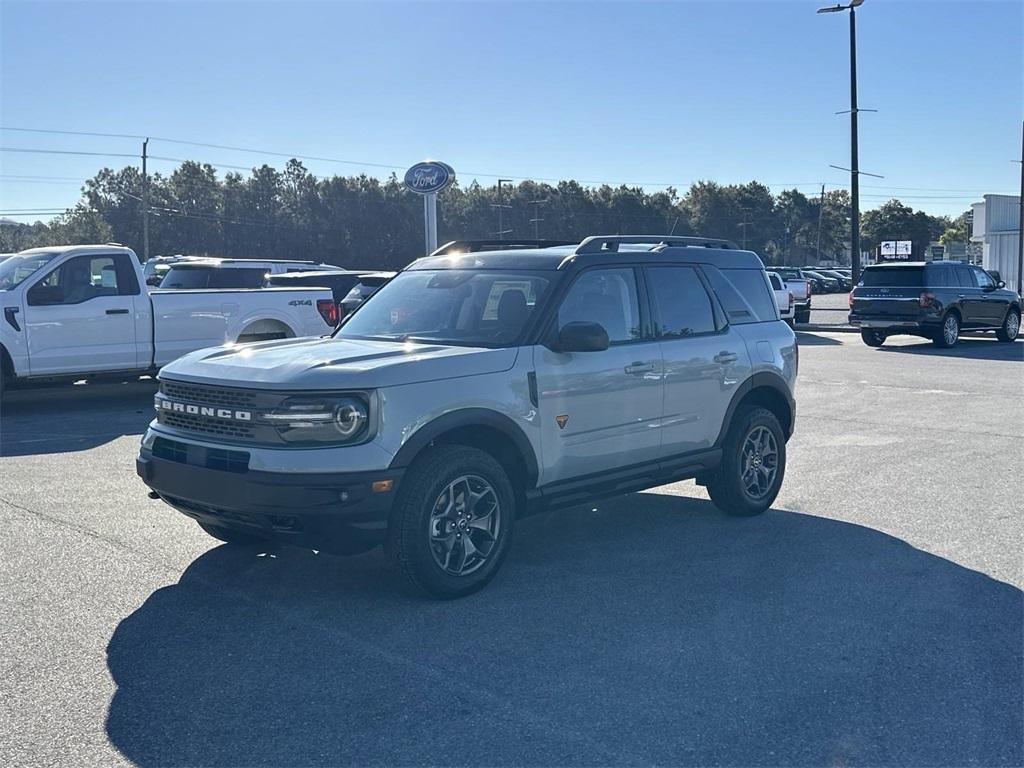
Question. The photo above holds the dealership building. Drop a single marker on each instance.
(997, 228)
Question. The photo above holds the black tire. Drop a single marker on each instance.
(1011, 326)
(232, 536)
(802, 318)
(415, 522)
(727, 488)
(948, 332)
(872, 338)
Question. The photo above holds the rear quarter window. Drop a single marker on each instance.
(744, 294)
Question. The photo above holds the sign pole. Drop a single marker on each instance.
(430, 220)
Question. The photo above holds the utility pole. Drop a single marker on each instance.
(854, 160)
(536, 220)
(145, 203)
(821, 208)
(1020, 222)
(744, 224)
(501, 209)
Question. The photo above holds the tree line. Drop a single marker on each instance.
(364, 222)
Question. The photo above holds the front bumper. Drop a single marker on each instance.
(337, 512)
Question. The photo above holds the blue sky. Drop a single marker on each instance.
(650, 93)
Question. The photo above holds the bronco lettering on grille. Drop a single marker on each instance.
(204, 410)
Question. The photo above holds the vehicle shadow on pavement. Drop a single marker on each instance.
(59, 419)
(974, 349)
(650, 629)
(812, 339)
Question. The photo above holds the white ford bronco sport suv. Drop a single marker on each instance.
(476, 387)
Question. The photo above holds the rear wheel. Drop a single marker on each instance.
(231, 536)
(872, 338)
(753, 463)
(453, 520)
(1011, 326)
(947, 335)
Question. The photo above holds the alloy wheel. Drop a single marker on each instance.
(760, 462)
(1012, 325)
(950, 330)
(464, 525)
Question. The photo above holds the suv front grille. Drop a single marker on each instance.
(206, 425)
(207, 395)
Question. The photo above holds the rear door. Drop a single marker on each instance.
(703, 359)
(80, 316)
(600, 411)
(972, 302)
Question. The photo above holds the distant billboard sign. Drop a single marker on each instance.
(895, 250)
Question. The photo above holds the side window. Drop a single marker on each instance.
(744, 294)
(83, 278)
(982, 278)
(964, 277)
(608, 297)
(776, 283)
(682, 305)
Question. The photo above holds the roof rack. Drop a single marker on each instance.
(611, 243)
(472, 246)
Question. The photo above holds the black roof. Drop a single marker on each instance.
(618, 249)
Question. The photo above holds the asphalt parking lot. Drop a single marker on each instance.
(873, 617)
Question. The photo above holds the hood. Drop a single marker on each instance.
(329, 364)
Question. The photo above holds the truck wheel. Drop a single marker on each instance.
(753, 463)
(947, 335)
(1011, 326)
(872, 338)
(231, 536)
(452, 523)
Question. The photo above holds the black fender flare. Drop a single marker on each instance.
(773, 381)
(468, 417)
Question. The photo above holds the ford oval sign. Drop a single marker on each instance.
(429, 177)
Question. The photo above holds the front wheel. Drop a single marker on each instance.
(1011, 326)
(947, 335)
(453, 520)
(872, 338)
(753, 463)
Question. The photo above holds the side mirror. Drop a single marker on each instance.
(154, 280)
(1000, 284)
(582, 336)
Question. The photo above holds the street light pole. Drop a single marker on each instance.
(1020, 222)
(145, 202)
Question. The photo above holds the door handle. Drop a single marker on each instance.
(117, 311)
(724, 357)
(960, 295)
(638, 367)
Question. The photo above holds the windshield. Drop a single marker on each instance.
(789, 274)
(19, 267)
(463, 307)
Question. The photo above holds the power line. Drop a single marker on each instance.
(34, 150)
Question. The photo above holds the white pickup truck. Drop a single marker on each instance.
(81, 311)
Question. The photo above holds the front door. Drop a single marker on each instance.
(80, 317)
(993, 303)
(600, 410)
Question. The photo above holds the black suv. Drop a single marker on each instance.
(935, 299)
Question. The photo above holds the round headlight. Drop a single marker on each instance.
(350, 417)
